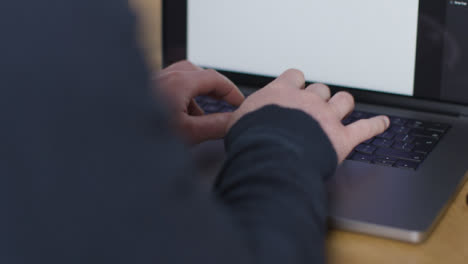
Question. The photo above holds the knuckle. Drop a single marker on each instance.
(174, 76)
(185, 64)
(321, 86)
(306, 95)
(322, 115)
(347, 97)
(210, 72)
(307, 100)
(299, 75)
(325, 90)
(324, 87)
(213, 75)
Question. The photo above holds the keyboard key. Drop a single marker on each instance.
(387, 135)
(366, 149)
(386, 158)
(212, 108)
(359, 115)
(201, 104)
(438, 127)
(399, 129)
(405, 138)
(415, 124)
(227, 109)
(405, 146)
(348, 120)
(425, 133)
(206, 100)
(425, 141)
(362, 157)
(211, 105)
(406, 164)
(384, 161)
(394, 153)
(423, 149)
(381, 142)
(398, 121)
(424, 146)
(200, 101)
(228, 105)
(350, 156)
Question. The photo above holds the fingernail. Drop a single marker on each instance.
(387, 121)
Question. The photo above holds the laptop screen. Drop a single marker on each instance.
(334, 42)
(408, 48)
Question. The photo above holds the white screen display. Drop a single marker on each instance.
(365, 44)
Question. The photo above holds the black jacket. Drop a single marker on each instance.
(90, 172)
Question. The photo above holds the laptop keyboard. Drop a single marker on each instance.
(405, 144)
(210, 105)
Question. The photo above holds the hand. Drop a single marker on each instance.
(181, 83)
(288, 91)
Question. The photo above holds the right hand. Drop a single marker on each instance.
(288, 91)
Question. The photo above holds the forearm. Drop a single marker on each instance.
(273, 184)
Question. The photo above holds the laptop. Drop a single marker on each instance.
(407, 59)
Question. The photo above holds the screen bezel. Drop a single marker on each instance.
(428, 74)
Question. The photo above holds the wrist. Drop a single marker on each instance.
(295, 127)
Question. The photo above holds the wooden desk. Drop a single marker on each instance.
(447, 244)
(149, 19)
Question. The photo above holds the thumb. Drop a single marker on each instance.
(208, 127)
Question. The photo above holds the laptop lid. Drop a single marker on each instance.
(407, 53)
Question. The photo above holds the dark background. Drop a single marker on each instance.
(455, 72)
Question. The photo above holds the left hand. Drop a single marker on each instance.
(181, 83)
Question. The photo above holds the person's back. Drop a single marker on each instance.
(90, 171)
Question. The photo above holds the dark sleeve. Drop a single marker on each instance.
(273, 184)
(90, 172)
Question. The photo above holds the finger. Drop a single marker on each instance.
(211, 82)
(207, 127)
(181, 66)
(194, 109)
(291, 78)
(342, 104)
(320, 89)
(365, 129)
